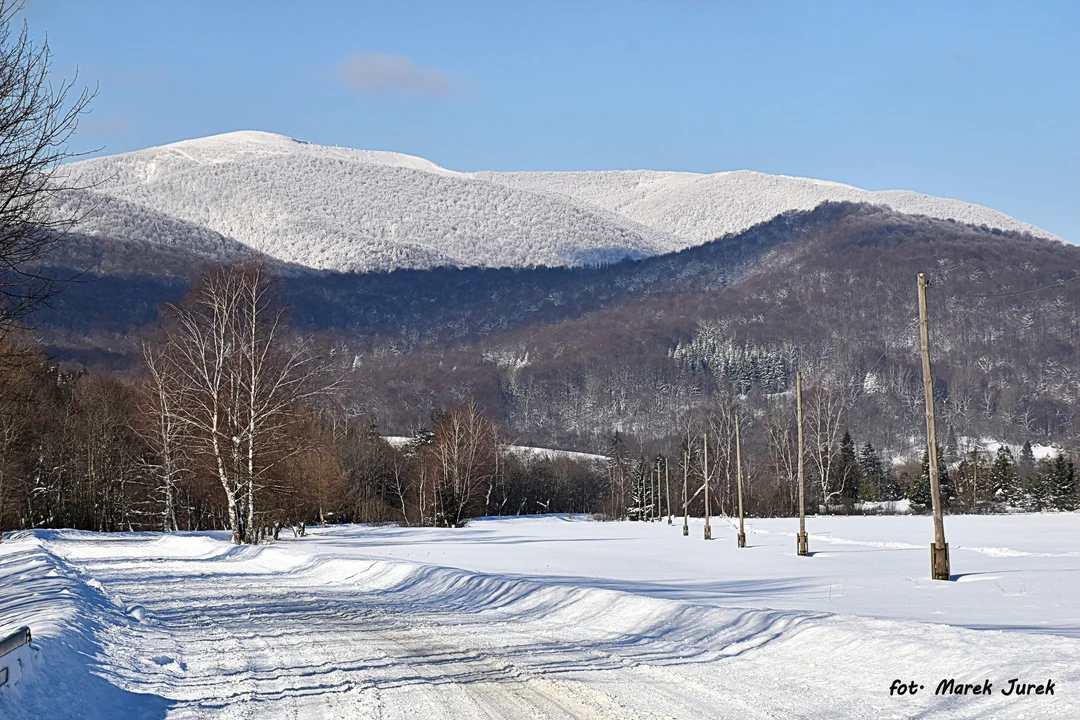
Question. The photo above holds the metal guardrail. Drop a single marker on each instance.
(8, 645)
(15, 640)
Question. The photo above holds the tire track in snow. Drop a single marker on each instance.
(343, 635)
(258, 661)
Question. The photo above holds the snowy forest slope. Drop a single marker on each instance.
(347, 210)
(351, 210)
(563, 355)
(699, 208)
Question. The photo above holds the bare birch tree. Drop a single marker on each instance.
(239, 381)
(164, 433)
(465, 450)
(826, 415)
(783, 454)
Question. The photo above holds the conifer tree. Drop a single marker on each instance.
(1025, 466)
(952, 450)
(878, 482)
(1037, 485)
(1062, 484)
(972, 480)
(871, 469)
(920, 495)
(849, 472)
(1005, 479)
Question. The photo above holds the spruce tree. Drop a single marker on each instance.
(1005, 479)
(919, 493)
(849, 472)
(888, 485)
(1025, 466)
(870, 467)
(972, 480)
(921, 496)
(1062, 484)
(1038, 486)
(952, 450)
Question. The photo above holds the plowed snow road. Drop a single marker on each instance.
(241, 634)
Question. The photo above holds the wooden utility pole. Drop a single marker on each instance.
(659, 506)
(611, 484)
(802, 546)
(685, 498)
(975, 478)
(939, 551)
(652, 493)
(667, 490)
(705, 467)
(738, 475)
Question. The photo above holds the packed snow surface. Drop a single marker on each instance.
(549, 617)
(348, 210)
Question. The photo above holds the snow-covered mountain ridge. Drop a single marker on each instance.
(354, 210)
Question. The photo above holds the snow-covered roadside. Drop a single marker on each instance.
(66, 613)
(336, 626)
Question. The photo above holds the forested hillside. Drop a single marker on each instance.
(634, 361)
(565, 356)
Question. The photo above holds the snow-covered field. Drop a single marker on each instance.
(549, 617)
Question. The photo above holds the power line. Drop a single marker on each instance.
(1059, 283)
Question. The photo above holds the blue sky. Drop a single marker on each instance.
(974, 100)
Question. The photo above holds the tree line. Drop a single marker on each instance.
(236, 422)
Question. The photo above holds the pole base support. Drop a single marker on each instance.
(939, 562)
(742, 540)
(708, 532)
(685, 531)
(802, 544)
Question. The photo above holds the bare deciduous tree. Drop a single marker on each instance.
(826, 415)
(37, 120)
(239, 382)
(464, 450)
(163, 430)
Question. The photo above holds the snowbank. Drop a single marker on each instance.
(67, 613)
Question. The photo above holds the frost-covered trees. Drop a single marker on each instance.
(347, 210)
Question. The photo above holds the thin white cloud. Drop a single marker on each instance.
(107, 125)
(383, 73)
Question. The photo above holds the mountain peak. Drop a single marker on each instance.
(345, 209)
(248, 145)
